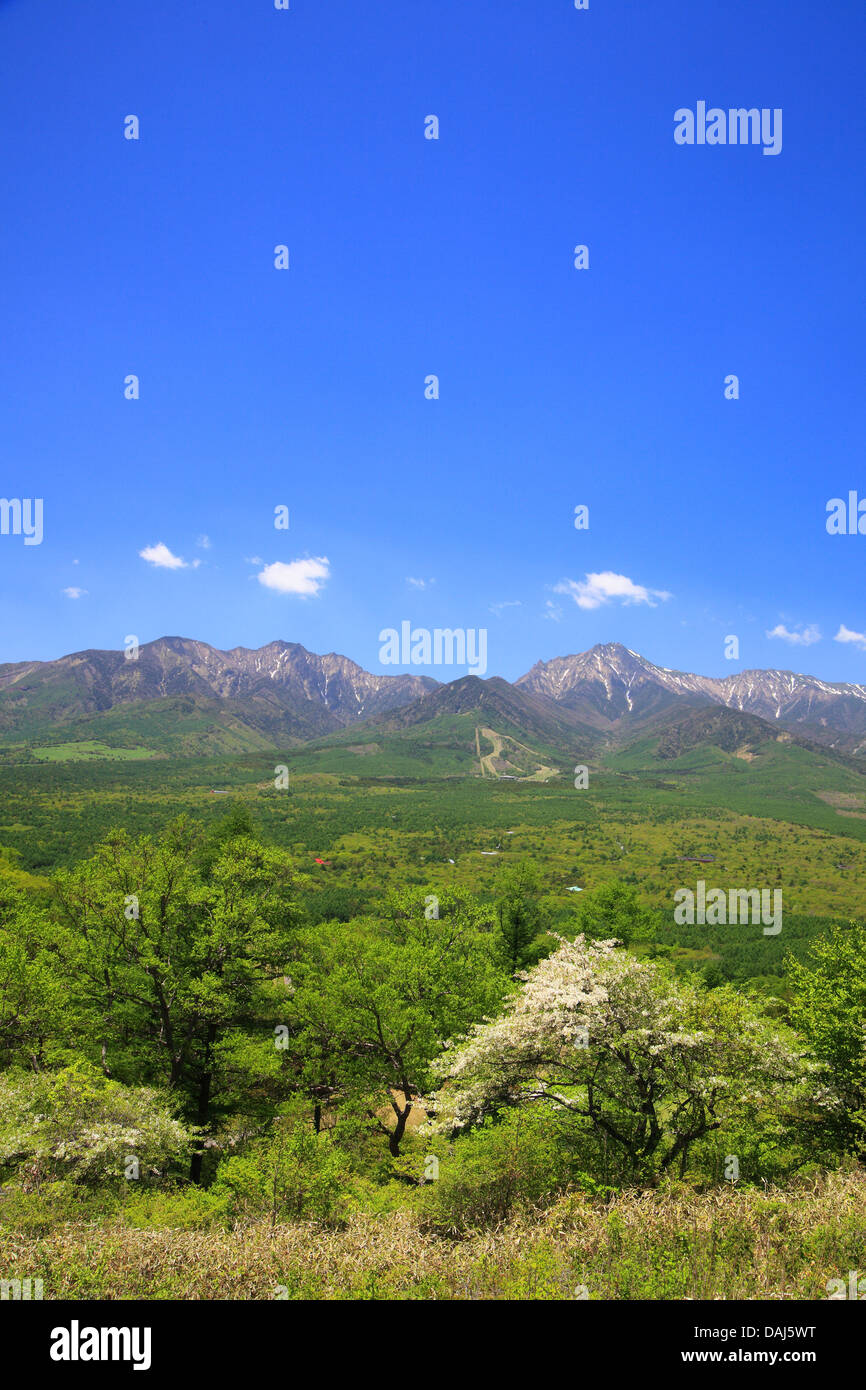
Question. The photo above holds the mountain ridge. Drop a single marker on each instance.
(288, 693)
(286, 689)
(610, 682)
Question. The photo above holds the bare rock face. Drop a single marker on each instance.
(282, 690)
(612, 685)
(318, 694)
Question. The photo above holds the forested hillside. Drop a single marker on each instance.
(484, 1089)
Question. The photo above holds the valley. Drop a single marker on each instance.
(441, 772)
(405, 857)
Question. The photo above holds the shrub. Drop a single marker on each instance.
(513, 1161)
(292, 1174)
(189, 1208)
(78, 1126)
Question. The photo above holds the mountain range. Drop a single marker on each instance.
(181, 695)
(617, 685)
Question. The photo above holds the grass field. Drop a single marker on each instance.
(780, 821)
(86, 749)
(782, 1244)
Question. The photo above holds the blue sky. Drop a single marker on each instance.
(411, 257)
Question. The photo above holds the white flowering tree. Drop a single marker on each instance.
(77, 1125)
(648, 1062)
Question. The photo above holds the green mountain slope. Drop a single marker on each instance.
(472, 727)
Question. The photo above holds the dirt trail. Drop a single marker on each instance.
(486, 760)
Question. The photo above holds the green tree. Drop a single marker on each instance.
(614, 911)
(236, 824)
(829, 1008)
(35, 1014)
(174, 969)
(374, 1001)
(519, 913)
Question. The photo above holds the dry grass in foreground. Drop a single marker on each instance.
(785, 1243)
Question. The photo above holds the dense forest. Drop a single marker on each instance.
(198, 1039)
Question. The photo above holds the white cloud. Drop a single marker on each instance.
(553, 611)
(253, 560)
(72, 592)
(806, 637)
(420, 583)
(598, 589)
(203, 542)
(506, 603)
(161, 557)
(846, 635)
(304, 577)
